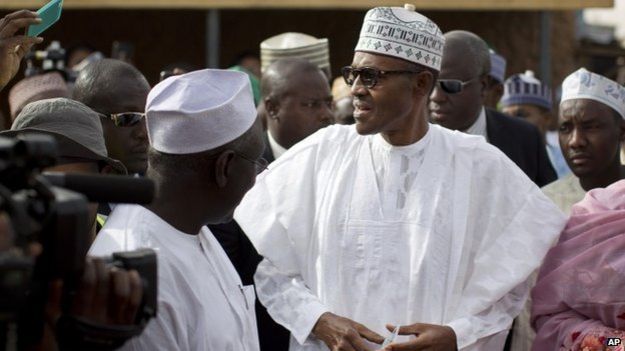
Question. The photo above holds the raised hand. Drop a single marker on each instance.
(13, 47)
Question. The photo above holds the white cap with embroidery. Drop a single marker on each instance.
(402, 33)
(583, 84)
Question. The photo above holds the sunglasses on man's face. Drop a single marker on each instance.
(369, 76)
(125, 119)
(453, 86)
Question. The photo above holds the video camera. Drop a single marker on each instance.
(57, 219)
(48, 60)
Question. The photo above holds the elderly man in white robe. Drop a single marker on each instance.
(396, 222)
(205, 152)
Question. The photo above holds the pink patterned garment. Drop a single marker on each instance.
(579, 299)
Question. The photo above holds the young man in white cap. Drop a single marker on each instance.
(205, 149)
(396, 221)
(591, 130)
(528, 98)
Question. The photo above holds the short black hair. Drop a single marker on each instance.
(474, 46)
(278, 74)
(96, 80)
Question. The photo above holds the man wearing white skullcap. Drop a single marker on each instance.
(205, 152)
(591, 130)
(394, 221)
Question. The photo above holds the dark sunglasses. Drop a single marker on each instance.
(125, 119)
(453, 86)
(369, 76)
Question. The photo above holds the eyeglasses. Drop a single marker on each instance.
(124, 119)
(453, 86)
(369, 76)
(261, 164)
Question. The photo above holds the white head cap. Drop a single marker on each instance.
(583, 84)
(403, 33)
(199, 111)
(295, 45)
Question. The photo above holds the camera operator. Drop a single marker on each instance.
(13, 47)
(105, 296)
(79, 136)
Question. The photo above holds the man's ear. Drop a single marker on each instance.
(272, 106)
(425, 83)
(222, 170)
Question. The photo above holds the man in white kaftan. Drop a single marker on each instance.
(442, 231)
(205, 147)
(202, 304)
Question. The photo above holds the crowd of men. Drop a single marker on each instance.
(420, 202)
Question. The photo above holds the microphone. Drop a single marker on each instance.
(105, 188)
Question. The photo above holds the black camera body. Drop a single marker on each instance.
(144, 262)
(58, 220)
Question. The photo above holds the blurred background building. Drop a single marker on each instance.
(549, 37)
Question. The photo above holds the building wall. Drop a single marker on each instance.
(165, 36)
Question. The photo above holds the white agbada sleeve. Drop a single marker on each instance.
(515, 225)
(279, 277)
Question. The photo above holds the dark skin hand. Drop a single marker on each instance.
(429, 337)
(107, 296)
(342, 334)
(13, 47)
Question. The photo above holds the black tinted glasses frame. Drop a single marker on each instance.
(125, 119)
(369, 76)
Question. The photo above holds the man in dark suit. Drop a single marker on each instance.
(457, 102)
(297, 102)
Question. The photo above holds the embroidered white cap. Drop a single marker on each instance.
(295, 45)
(199, 111)
(583, 84)
(403, 33)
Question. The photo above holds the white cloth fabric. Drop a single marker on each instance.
(199, 111)
(429, 232)
(201, 302)
(583, 84)
(276, 149)
(479, 126)
(564, 193)
(401, 32)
